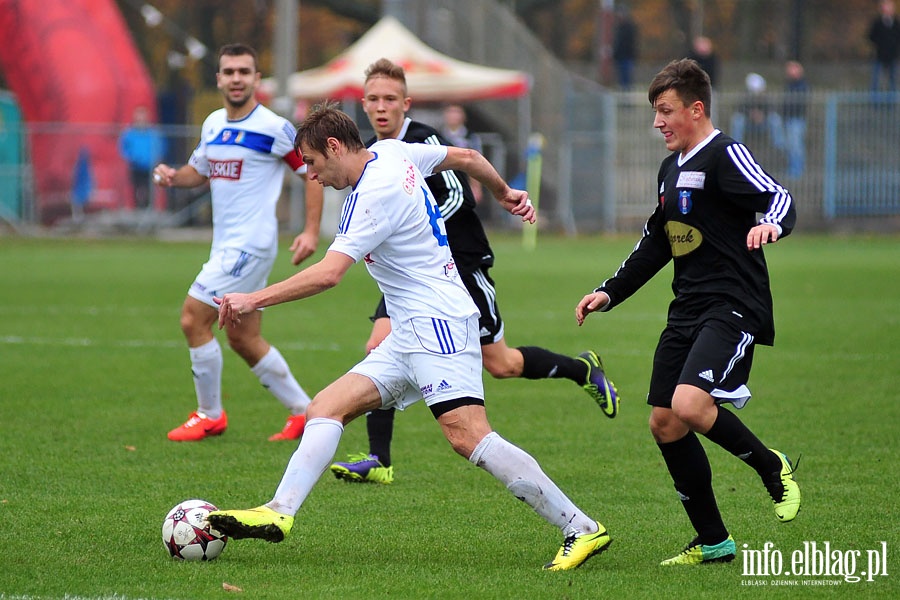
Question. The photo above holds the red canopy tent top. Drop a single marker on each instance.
(430, 75)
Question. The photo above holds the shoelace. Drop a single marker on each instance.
(794, 466)
(567, 544)
(357, 458)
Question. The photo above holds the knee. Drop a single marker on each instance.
(324, 406)
(697, 411)
(188, 323)
(461, 448)
(501, 365)
(238, 344)
(665, 426)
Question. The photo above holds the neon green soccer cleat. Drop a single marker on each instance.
(598, 386)
(261, 522)
(696, 553)
(363, 468)
(784, 490)
(575, 550)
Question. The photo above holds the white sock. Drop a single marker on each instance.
(206, 365)
(275, 375)
(522, 476)
(315, 452)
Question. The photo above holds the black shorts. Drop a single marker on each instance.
(481, 288)
(714, 355)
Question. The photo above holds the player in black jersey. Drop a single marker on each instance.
(710, 192)
(386, 103)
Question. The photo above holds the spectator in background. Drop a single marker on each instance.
(884, 33)
(142, 146)
(455, 130)
(794, 115)
(702, 51)
(624, 50)
(755, 123)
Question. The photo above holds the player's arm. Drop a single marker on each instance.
(477, 166)
(313, 280)
(183, 177)
(650, 254)
(304, 245)
(744, 183)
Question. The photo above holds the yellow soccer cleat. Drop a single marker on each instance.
(577, 549)
(697, 554)
(363, 468)
(261, 522)
(784, 490)
(598, 385)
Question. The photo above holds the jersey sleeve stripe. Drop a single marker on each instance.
(347, 212)
(743, 160)
(779, 206)
(455, 197)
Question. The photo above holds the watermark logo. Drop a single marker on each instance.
(815, 563)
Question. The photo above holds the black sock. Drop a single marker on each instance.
(543, 364)
(730, 432)
(690, 471)
(380, 426)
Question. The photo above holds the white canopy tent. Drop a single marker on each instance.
(430, 75)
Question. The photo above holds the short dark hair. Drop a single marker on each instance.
(239, 50)
(324, 121)
(689, 81)
(385, 68)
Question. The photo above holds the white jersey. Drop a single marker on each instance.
(244, 161)
(391, 221)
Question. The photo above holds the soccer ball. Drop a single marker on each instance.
(187, 535)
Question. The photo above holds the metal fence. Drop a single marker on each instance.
(849, 176)
(605, 157)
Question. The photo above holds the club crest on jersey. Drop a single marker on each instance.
(409, 179)
(450, 269)
(684, 201)
(240, 137)
(226, 135)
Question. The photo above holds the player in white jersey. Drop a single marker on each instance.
(391, 222)
(242, 153)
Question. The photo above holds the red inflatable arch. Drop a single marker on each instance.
(78, 78)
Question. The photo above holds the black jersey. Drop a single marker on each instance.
(708, 202)
(465, 233)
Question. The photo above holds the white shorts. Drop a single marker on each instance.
(426, 359)
(230, 270)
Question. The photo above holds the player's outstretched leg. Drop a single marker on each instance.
(598, 386)
(524, 478)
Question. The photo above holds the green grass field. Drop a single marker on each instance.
(94, 372)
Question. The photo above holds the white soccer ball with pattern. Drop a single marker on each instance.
(187, 535)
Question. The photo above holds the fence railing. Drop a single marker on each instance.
(844, 170)
(608, 156)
